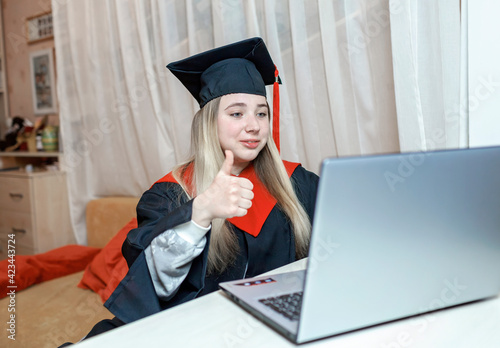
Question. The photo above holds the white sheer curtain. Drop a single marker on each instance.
(125, 119)
(426, 49)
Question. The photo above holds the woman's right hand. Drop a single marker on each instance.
(228, 196)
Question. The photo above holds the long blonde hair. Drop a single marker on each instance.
(207, 159)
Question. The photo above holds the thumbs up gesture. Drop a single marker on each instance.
(228, 196)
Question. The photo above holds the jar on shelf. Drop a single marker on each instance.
(50, 139)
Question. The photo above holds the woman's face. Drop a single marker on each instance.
(243, 127)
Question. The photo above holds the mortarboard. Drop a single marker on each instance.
(241, 67)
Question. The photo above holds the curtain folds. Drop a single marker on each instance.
(426, 49)
(359, 77)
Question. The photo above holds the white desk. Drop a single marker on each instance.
(215, 321)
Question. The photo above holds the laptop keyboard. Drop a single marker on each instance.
(288, 305)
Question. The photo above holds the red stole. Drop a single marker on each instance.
(262, 203)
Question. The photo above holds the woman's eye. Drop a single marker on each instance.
(262, 114)
(236, 114)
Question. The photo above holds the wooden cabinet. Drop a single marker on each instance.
(34, 208)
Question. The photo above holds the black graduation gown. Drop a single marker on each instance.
(162, 207)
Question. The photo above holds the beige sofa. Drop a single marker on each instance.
(57, 311)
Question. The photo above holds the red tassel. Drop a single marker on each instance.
(276, 109)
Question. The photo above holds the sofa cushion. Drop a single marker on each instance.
(105, 216)
(109, 267)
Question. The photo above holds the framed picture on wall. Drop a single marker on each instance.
(43, 85)
(39, 27)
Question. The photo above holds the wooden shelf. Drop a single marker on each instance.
(20, 159)
(30, 154)
(22, 173)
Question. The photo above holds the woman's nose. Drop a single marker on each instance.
(252, 124)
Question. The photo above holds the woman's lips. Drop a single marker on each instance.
(251, 144)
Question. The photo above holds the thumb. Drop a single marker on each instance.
(227, 166)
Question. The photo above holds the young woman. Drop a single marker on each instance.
(233, 210)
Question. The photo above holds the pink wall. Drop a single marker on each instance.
(17, 52)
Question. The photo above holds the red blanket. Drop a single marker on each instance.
(20, 271)
(104, 268)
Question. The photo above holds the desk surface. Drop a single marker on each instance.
(215, 321)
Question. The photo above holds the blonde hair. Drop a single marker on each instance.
(207, 159)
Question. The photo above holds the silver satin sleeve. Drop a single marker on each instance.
(169, 256)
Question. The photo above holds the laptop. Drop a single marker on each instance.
(393, 236)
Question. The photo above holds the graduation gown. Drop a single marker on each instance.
(267, 243)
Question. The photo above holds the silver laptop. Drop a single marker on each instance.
(393, 236)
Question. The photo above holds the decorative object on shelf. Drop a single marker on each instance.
(27, 139)
(10, 142)
(39, 27)
(43, 82)
(50, 139)
(39, 144)
(22, 134)
(40, 124)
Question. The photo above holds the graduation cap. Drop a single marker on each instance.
(240, 67)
